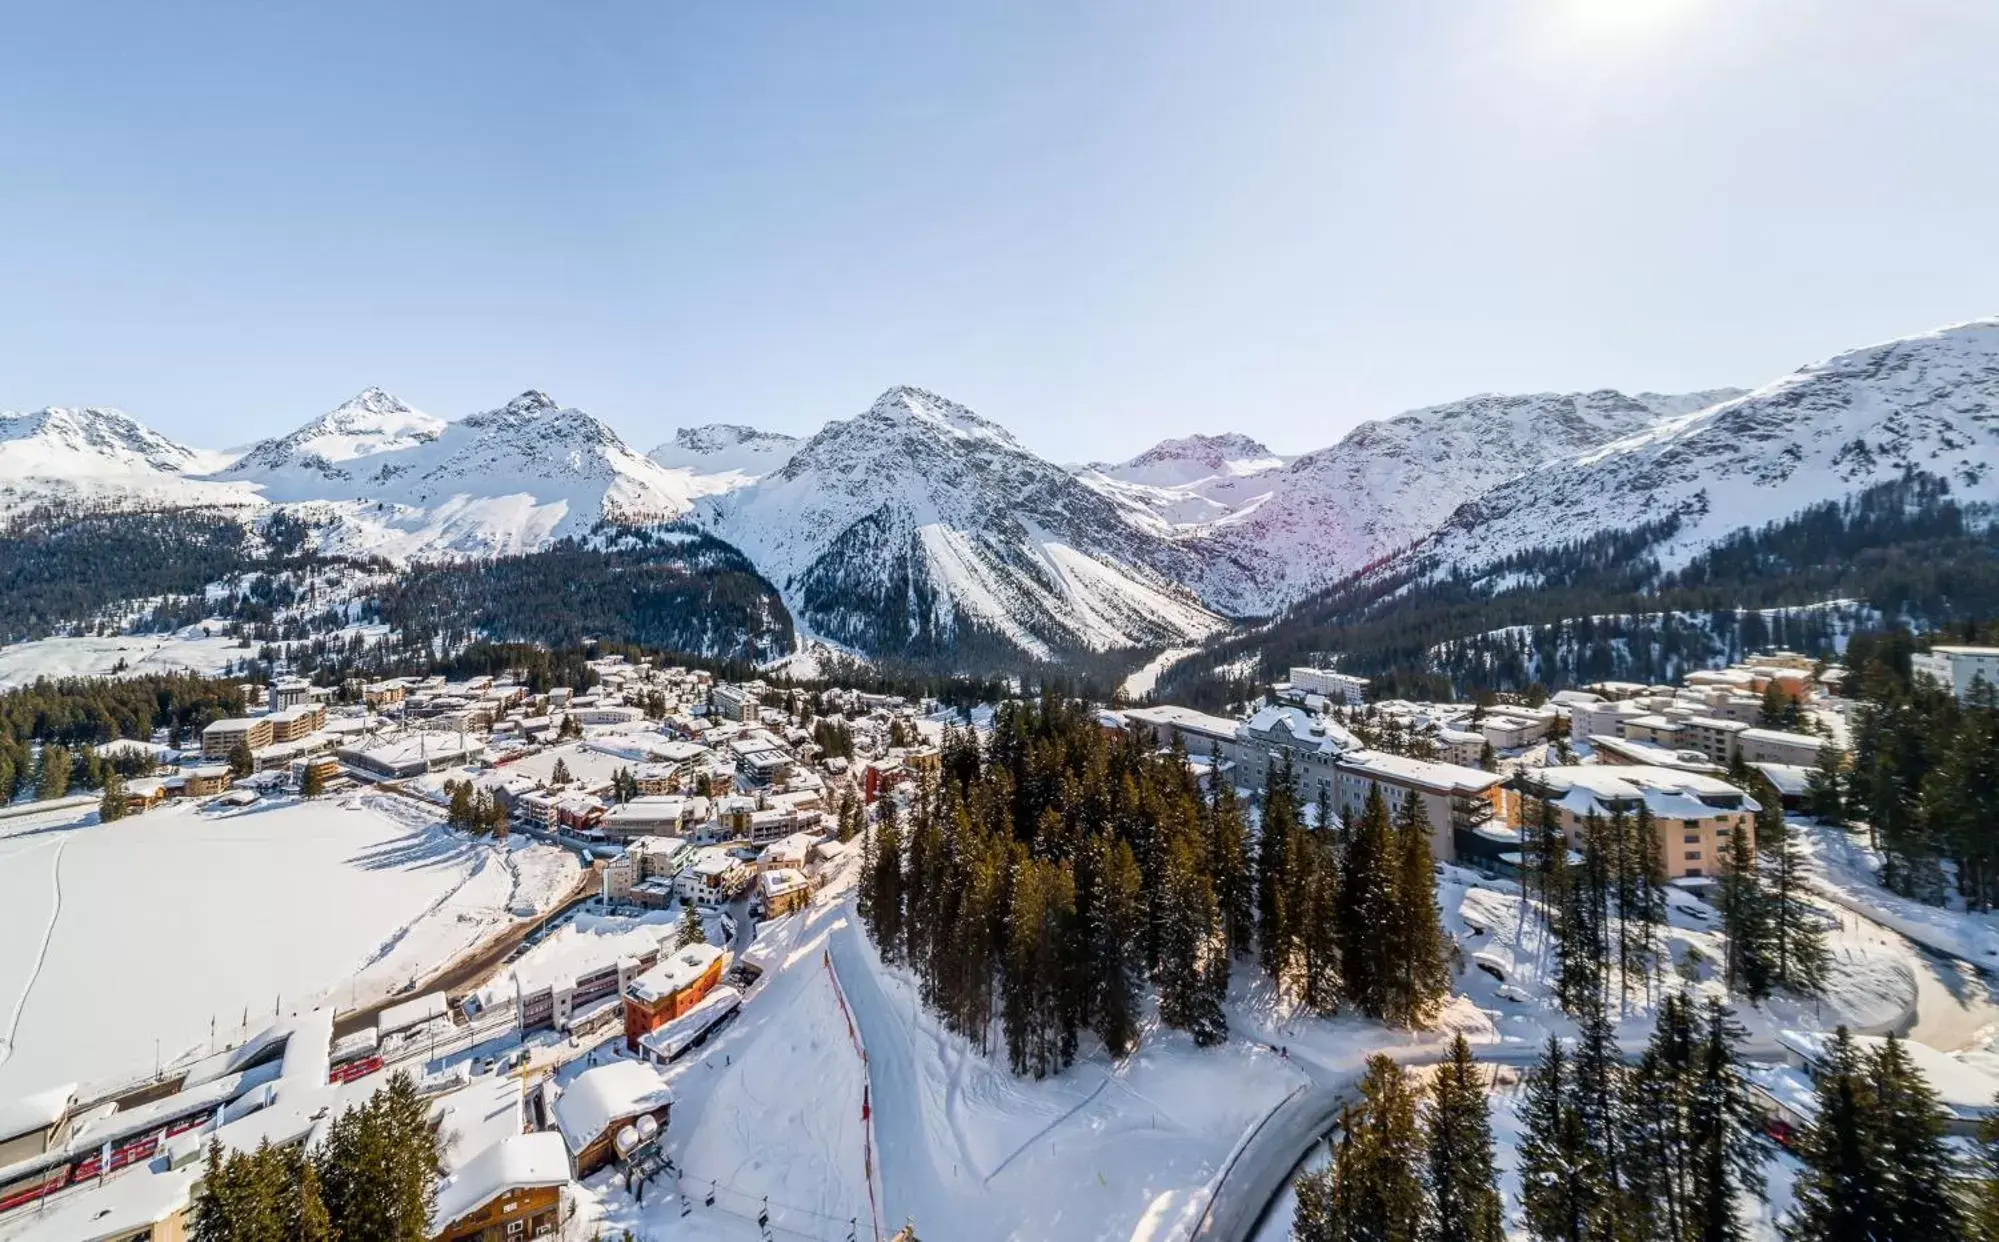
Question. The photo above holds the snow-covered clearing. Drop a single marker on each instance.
(189, 650)
(1107, 1150)
(1140, 683)
(188, 917)
(1848, 872)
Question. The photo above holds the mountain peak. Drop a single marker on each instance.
(60, 440)
(909, 406)
(533, 401)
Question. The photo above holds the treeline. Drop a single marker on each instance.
(71, 716)
(671, 588)
(1044, 880)
(1603, 608)
(1660, 1151)
(61, 564)
(374, 1179)
(1925, 771)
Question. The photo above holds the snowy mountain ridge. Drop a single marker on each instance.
(1925, 403)
(918, 519)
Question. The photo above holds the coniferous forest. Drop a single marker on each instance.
(1059, 877)
(1605, 608)
(1924, 773)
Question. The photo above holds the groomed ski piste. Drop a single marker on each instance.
(129, 944)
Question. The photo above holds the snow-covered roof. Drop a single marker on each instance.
(1672, 793)
(1965, 1089)
(520, 1162)
(120, 1207)
(604, 1095)
(1422, 773)
(38, 1111)
(782, 880)
(674, 973)
(416, 1012)
(1789, 779)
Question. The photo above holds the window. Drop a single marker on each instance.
(1692, 838)
(1693, 855)
(1693, 873)
(516, 1227)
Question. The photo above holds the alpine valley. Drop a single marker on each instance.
(918, 531)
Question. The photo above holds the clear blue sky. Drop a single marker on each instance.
(1100, 223)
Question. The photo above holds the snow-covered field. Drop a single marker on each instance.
(117, 939)
(189, 650)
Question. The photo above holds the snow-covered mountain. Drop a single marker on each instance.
(101, 456)
(326, 450)
(728, 452)
(920, 526)
(1923, 403)
(1384, 485)
(375, 476)
(1191, 459)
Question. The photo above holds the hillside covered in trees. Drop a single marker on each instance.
(1604, 608)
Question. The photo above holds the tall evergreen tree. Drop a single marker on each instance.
(1796, 935)
(1555, 1169)
(1366, 913)
(1749, 965)
(1118, 960)
(1193, 965)
(1843, 1191)
(1276, 834)
(1724, 1133)
(112, 805)
(52, 777)
(1923, 1172)
(1414, 945)
(1459, 1175)
(1374, 1190)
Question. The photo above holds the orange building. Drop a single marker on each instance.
(670, 989)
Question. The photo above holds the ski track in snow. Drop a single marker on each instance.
(41, 954)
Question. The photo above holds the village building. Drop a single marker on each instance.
(603, 1100)
(1957, 668)
(221, 737)
(511, 1190)
(1457, 800)
(1694, 816)
(670, 989)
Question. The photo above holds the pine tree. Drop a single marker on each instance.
(1276, 833)
(1825, 799)
(312, 782)
(692, 930)
(1118, 959)
(1798, 938)
(1726, 1152)
(241, 761)
(1230, 863)
(112, 805)
(52, 778)
(1415, 944)
(1367, 913)
(1457, 1133)
(1553, 1154)
(1745, 919)
(1982, 1207)
(1921, 1203)
(1596, 1099)
(886, 898)
(559, 774)
(1374, 1189)
(1192, 975)
(459, 814)
(1843, 1190)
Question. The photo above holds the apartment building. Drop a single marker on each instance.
(1457, 800)
(1336, 687)
(223, 736)
(1956, 668)
(1693, 815)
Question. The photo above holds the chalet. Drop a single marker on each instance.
(600, 1102)
(511, 1190)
